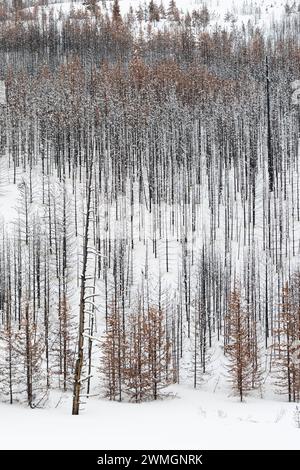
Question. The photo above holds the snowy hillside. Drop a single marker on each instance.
(224, 13)
(150, 224)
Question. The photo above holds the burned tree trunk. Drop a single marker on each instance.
(80, 358)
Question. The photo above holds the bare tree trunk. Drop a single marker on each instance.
(28, 358)
(270, 153)
(79, 361)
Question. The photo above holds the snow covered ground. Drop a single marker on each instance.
(8, 193)
(188, 420)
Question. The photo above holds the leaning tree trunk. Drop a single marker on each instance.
(79, 361)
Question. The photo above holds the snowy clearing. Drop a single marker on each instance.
(190, 420)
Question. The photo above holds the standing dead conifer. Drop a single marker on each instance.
(29, 349)
(113, 355)
(237, 346)
(286, 344)
(137, 372)
(157, 348)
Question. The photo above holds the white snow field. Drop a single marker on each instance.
(188, 420)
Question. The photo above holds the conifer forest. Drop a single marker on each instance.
(150, 216)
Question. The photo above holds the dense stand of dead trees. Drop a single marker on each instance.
(194, 182)
(136, 361)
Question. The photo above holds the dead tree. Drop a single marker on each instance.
(113, 361)
(237, 346)
(82, 302)
(287, 340)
